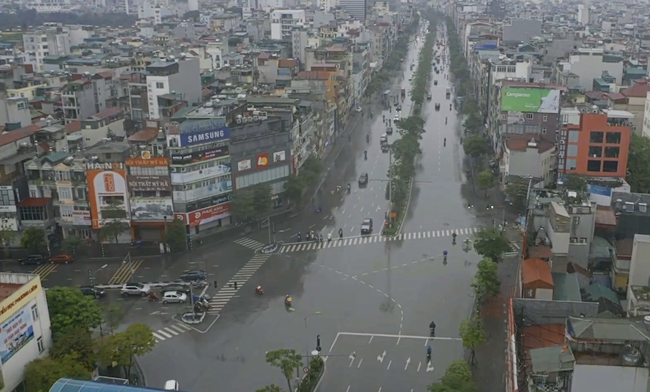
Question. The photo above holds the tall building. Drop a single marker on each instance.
(355, 8)
(173, 76)
(49, 42)
(283, 21)
(192, 5)
(583, 14)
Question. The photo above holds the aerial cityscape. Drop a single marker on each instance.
(328, 195)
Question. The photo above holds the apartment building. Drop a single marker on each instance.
(181, 77)
(46, 42)
(357, 9)
(283, 21)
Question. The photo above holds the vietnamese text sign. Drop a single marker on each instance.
(151, 162)
(149, 183)
(15, 333)
(199, 156)
(530, 100)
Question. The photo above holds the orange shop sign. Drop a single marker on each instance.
(205, 215)
(263, 160)
(151, 162)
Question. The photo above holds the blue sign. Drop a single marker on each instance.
(599, 190)
(202, 137)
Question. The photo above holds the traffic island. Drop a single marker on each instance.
(313, 375)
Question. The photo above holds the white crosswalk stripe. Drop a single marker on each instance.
(249, 243)
(170, 331)
(467, 231)
(227, 292)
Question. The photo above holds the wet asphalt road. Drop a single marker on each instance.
(368, 292)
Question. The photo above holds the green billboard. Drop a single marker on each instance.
(531, 100)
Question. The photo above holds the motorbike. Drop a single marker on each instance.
(259, 290)
(201, 302)
(365, 155)
(153, 297)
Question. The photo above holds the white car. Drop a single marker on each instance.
(174, 297)
(396, 118)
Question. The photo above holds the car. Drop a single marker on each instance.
(363, 179)
(437, 106)
(194, 275)
(383, 139)
(92, 291)
(181, 288)
(396, 118)
(399, 109)
(389, 130)
(428, 97)
(34, 259)
(366, 226)
(135, 289)
(174, 297)
(61, 259)
(410, 79)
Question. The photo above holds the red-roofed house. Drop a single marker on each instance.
(634, 99)
(528, 155)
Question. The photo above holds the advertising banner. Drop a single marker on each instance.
(199, 156)
(15, 333)
(244, 165)
(262, 160)
(151, 162)
(101, 184)
(205, 203)
(201, 125)
(201, 137)
(530, 100)
(151, 208)
(207, 191)
(212, 171)
(279, 156)
(81, 218)
(205, 215)
(149, 183)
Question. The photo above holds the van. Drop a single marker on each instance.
(171, 385)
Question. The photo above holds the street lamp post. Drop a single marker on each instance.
(306, 317)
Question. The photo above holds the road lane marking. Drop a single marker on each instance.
(371, 337)
(381, 335)
(359, 365)
(388, 368)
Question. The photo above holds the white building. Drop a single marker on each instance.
(645, 129)
(24, 326)
(523, 156)
(42, 43)
(583, 14)
(282, 22)
(588, 64)
(192, 5)
(174, 76)
(355, 8)
(326, 5)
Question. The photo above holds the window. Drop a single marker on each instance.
(613, 137)
(543, 131)
(545, 118)
(595, 152)
(160, 85)
(610, 166)
(574, 136)
(65, 193)
(611, 152)
(34, 312)
(572, 150)
(593, 165)
(596, 137)
(529, 116)
(66, 211)
(33, 213)
(41, 346)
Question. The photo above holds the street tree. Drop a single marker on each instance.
(517, 191)
(475, 146)
(491, 242)
(41, 374)
(243, 205)
(473, 335)
(112, 230)
(486, 282)
(293, 190)
(262, 194)
(473, 123)
(33, 239)
(485, 180)
(457, 378)
(311, 170)
(76, 344)
(270, 388)
(70, 309)
(287, 360)
(72, 244)
(175, 236)
(411, 125)
(638, 165)
(6, 237)
(113, 314)
(120, 349)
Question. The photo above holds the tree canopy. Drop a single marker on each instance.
(475, 145)
(472, 334)
(486, 282)
(33, 239)
(41, 374)
(485, 180)
(491, 242)
(112, 230)
(176, 236)
(638, 164)
(457, 378)
(70, 309)
(251, 203)
(75, 343)
(287, 360)
(121, 348)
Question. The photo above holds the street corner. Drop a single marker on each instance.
(52, 274)
(376, 362)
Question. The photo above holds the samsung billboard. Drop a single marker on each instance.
(201, 137)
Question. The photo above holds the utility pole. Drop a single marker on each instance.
(390, 182)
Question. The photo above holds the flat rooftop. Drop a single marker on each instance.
(6, 289)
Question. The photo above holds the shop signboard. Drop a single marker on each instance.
(199, 156)
(207, 191)
(279, 156)
(205, 203)
(201, 125)
(200, 137)
(206, 215)
(151, 208)
(81, 218)
(147, 162)
(104, 184)
(15, 333)
(212, 171)
(149, 183)
(530, 100)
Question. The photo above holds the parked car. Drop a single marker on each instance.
(174, 297)
(135, 289)
(181, 288)
(363, 179)
(429, 97)
(366, 226)
(190, 276)
(61, 259)
(95, 292)
(34, 259)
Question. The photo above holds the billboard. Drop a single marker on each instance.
(147, 162)
(530, 100)
(151, 208)
(15, 333)
(205, 215)
(199, 156)
(105, 186)
(201, 137)
(149, 183)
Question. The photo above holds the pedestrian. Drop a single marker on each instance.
(235, 285)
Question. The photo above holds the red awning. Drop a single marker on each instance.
(35, 202)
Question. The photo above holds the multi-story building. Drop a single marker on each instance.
(597, 145)
(180, 77)
(355, 8)
(104, 125)
(138, 100)
(78, 100)
(25, 324)
(283, 21)
(588, 64)
(48, 42)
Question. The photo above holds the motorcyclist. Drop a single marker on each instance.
(449, 106)
(383, 116)
(299, 237)
(445, 142)
(445, 120)
(453, 235)
(365, 154)
(259, 290)
(338, 188)
(428, 351)
(368, 138)
(432, 326)
(340, 233)
(329, 237)
(348, 187)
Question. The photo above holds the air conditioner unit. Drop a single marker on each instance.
(244, 119)
(561, 154)
(255, 118)
(238, 120)
(250, 119)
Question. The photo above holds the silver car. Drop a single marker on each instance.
(174, 297)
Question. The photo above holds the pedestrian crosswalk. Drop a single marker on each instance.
(375, 238)
(227, 292)
(249, 243)
(170, 332)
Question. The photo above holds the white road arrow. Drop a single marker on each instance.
(429, 367)
(380, 358)
(407, 363)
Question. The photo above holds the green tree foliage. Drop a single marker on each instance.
(575, 182)
(491, 242)
(6, 237)
(270, 388)
(121, 348)
(286, 360)
(457, 378)
(517, 190)
(486, 282)
(473, 335)
(76, 344)
(176, 236)
(485, 180)
(473, 123)
(311, 170)
(475, 146)
(41, 374)
(72, 244)
(638, 164)
(70, 310)
(112, 230)
(33, 239)
(293, 190)
(251, 203)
